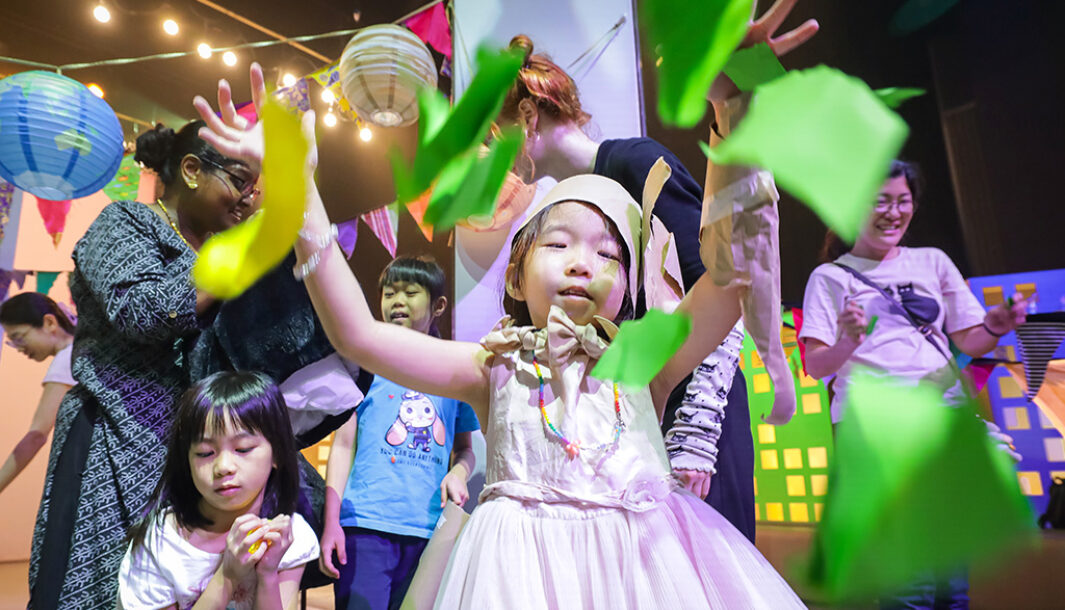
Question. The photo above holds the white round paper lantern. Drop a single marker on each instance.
(381, 70)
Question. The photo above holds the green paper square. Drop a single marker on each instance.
(753, 66)
(642, 347)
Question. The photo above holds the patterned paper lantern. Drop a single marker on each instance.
(57, 140)
(381, 70)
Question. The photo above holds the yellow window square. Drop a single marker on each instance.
(1031, 484)
(755, 486)
(1025, 289)
(767, 434)
(323, 453)
(756, 360)
(811, 403)
(1011, 353)
(1057, 474)
(774, 511)
(818, 484)
(1044, 421)
(796, 485)
(761, 383)
(818, 508)
(769, 459)
(800, 512)
(321, 470)
(993, 296)
(806, 381)
(1008, 388)
(1016, 418)
(792, 458)
(818, 457)
(743, 365)
(757, 512)
(1055, 448)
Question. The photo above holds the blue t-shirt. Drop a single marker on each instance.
(402, 453)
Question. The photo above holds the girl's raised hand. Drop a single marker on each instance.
(231, 134)
(238, 561)
(278, 538)
(762, 30)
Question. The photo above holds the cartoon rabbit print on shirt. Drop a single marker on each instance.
(418, 422)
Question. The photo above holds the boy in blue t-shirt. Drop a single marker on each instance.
(379, 519)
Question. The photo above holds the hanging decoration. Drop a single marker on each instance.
(123, 187)
(432, 27)
(7, 193)
(296, 97)
(45, 280)
(381, 70)
(57, 140)
(383, 223)
(54, 214)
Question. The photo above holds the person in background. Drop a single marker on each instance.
(36, 326)
(382, 507)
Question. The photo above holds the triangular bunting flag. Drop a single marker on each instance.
(382, 223)
(45, 279)
(348, 235)
(54, 214)
(432, 27)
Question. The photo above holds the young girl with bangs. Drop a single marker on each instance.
(221, 529)
(580, 508)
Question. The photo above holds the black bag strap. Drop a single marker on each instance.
(925, 331)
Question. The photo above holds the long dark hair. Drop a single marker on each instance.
(31, 308)
(834, 247)
(523, 243)
(236, 398)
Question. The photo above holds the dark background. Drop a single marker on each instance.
(988, 134)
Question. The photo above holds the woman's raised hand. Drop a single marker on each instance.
(231, 133)
(762, 30)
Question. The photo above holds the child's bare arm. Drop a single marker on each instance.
(409, 358)
(337, 471)
(453, 486)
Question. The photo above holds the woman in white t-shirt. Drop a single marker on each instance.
(838, 308)
(36, 326)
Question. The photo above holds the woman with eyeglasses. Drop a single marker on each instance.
(37, 327)
(138, 311)
(857, 314)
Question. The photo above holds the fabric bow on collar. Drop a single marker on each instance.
(561, 339)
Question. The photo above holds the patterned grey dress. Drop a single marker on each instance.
(136, 309)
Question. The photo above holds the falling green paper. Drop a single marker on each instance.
(694, 39)
(827, 139)
(642, 347)
(916, 486)
(893, 97)
(753, 66)
(444, 136)
(231, 261)
(470, 185)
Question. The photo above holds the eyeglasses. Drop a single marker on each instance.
(16, 341)
(246, 188)
(902, 205)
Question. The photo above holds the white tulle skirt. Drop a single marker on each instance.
(679, 554)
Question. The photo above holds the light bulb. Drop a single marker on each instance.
(229, 58)
(96, 90)
(365, 134)
(328, 97)
(101, 13)
(287, 80)
(204, 50)
(171, 27)
(329, 119)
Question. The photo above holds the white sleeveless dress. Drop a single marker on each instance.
(608, 528)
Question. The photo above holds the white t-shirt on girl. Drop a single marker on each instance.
(167, 569)
(59, 369)
(926, 282)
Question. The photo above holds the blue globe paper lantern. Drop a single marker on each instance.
(57, 140)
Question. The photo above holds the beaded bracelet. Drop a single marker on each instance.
(321, 242)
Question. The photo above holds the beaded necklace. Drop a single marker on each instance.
(573, 448)
(173, 225)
